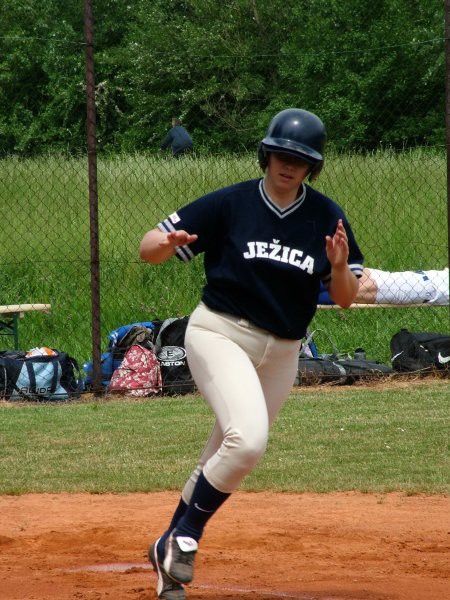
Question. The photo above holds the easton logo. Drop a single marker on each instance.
(172, 356)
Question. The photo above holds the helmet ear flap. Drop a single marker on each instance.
(263, 159)
(315, 171)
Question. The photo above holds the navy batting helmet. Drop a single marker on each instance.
(297, 132)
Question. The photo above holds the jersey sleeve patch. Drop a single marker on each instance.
(174, 218)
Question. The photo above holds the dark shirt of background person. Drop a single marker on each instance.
(178, 138)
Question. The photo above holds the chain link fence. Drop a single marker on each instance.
(394, 195)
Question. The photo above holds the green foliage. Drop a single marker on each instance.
(374, 71)
(41, 78)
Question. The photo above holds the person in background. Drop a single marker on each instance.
(267, 245)
(178, 138)
(401, 287)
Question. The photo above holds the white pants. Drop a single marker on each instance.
(245, 374)
(412, 287)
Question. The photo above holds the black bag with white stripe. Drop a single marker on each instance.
(420, 352)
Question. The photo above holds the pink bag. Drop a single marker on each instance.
(139, 374)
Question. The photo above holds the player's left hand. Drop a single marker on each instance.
(337, 247)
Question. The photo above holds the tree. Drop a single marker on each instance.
(374, 71)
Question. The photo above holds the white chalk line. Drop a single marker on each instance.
(124, 567)
(239, 590)
(112, 567)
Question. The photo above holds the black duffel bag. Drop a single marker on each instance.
(420, 352)
(339, 371)
(312, 371)
(363, 370)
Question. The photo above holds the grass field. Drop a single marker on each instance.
(373, 439)
(396, 203)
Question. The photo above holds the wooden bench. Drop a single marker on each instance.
(374, 305)
(10, 315)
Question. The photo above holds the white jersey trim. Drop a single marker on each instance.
(287, 210)
(184, 252)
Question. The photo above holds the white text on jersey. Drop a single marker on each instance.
(284, 254)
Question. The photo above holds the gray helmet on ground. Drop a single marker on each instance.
(297, 132)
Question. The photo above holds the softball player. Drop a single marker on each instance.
(267, 245)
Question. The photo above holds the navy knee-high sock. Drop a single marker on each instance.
(179, 512)
(205, 501)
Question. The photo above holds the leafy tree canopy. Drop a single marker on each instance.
(374, 71)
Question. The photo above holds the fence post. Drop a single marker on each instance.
(447, 117)
(93, 196)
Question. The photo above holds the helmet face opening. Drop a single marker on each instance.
(280, 150)
(299, 133)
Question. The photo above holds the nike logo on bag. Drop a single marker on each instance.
(396, 355)
(443, 359)
(203, 509)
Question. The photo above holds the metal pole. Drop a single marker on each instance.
(93, 196)
(447, 117)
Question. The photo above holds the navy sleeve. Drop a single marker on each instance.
(355, 257)
(203, 217)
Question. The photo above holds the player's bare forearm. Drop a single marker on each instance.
(157, 247)
(343, 286)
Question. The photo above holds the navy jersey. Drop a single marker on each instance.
(262, 262)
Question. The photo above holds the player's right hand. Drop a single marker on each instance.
(178, 238)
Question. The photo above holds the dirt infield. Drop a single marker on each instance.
(261, 546)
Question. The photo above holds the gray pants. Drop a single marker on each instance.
(245, 374)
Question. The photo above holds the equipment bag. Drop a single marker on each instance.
(119, 340)
(309, 347)
(339, 368)
(143, 332)
(171, 353)
(423, 351)
(109, 363)
(340, 371)
(362, 369)
(316, 367)
(40, 378)
(139, 374)
(312, 371)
